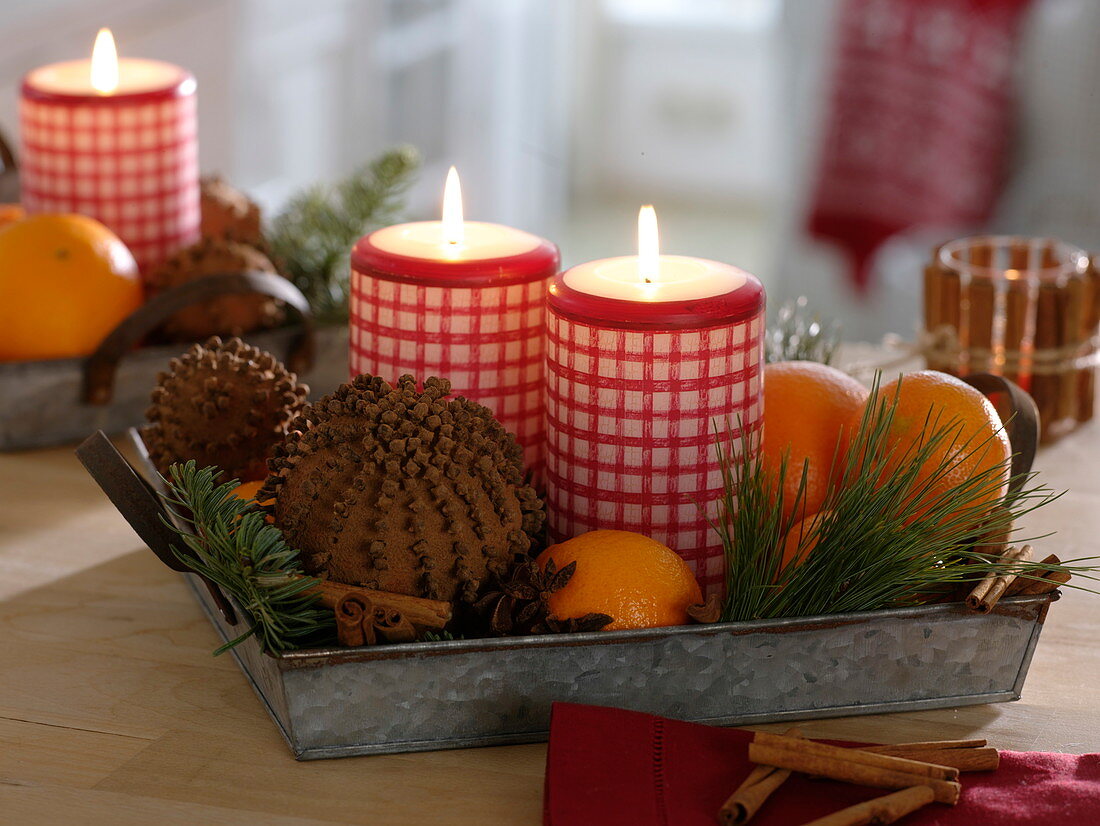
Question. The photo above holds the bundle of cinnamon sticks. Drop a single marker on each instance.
(366, 617)
(919, 772)
(987, 593)
(991, 305)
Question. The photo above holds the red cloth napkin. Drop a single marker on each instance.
(609, 767)
(919, 120)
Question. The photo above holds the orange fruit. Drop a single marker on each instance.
(248, 490)
(793, 550)
(808, 410)
(10, 213)
(980, 443)
(636, 580)
(66, 281)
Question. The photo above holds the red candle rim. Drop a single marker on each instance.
(183, 87)
(737, 305)
(533, 265)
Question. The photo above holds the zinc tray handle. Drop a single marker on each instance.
(1022, 421)
(101, 366)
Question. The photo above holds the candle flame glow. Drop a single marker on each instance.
(453, 230)
(649, 245)
(104, 63)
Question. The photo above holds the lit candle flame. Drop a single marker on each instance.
(649, 245)
(104, 63)
(453, 230)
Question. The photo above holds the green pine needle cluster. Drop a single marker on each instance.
(888, 538)
(798, 335)
(312, 237)
(230, 543)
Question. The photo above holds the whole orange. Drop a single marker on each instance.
(66, 281)
(635, 580)
(800, 540)
(927, 399)
(808, 409)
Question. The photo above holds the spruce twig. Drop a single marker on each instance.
(798, 335)
(312, 237)
(231, 544)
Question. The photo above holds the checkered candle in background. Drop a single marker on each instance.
(489, 341)
(631, 418)
(129, 161)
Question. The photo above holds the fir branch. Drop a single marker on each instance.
(889, 537)
(230, 543)
(312, 237)
(799, 336)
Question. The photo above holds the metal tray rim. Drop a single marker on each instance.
(318, 657)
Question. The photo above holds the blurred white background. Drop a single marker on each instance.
(564, 115)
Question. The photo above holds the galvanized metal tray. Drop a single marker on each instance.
(340, 702)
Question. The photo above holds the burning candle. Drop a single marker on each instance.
(115, 140)
(462, 300)
(646, 356)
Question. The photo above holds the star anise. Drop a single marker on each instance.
(519, 604)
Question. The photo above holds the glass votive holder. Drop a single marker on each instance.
(1024, 308)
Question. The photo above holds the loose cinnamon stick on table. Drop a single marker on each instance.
(965, 760)
(884, 809)
(423, 614)
(844, 767)
(927, 745)
(988, 592)
(747, 798)
(920, 768)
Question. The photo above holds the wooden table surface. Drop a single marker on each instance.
(113, 711)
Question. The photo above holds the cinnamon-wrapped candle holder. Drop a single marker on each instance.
(1024, 308)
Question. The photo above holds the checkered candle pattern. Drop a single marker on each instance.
(630, 430)
(132, 166)
(488, 341)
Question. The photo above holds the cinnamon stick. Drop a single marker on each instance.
(965, 760)
(844, 766)
(747, 798)
(354, 621)
(708, 611)
(921, 768)
(989, 591)
(928, 745)
(393, 627)
(422, 614)
(885, 809)
(1041, 583)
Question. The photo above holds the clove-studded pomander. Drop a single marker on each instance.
(225, 404)
(403, 490)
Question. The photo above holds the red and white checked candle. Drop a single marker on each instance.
(635, 389)
(128, 157)
(472, 312)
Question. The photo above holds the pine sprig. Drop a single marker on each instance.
(230, 543)
(798, 335)
(889, 536)
(313, 236)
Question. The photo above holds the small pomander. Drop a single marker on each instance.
(227, 213)
(403, 490)
(225, 404)
(236, 314)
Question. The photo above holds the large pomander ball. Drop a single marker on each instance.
(403, 490)
(225, 404)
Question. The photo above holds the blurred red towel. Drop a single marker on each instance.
(609, 767)
(919, 119)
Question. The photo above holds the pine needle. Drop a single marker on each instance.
(230, 543)
(312, 237)
(889, 538)
(798, 335)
